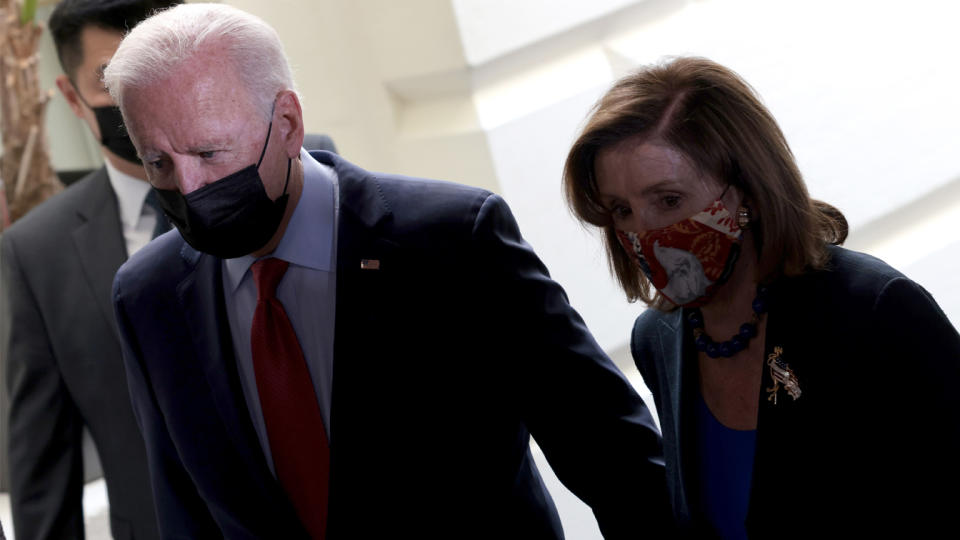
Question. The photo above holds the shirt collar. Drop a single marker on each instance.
(131, 192)
(309, 238)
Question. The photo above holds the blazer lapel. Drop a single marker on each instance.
(99, 241)
(679, 377)
(200, 294)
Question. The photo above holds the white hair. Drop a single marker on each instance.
(155, 48)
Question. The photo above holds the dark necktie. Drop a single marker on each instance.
(163, 224)
(298, 440)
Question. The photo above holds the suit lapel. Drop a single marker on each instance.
(200, 294)
(99, 241)
(360, 288)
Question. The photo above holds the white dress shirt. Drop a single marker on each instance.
(138, 219)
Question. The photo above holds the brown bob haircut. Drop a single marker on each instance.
(716, 120)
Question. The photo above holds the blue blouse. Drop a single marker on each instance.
(725, 459)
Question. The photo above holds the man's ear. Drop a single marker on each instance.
(70, 94)
(290, 120)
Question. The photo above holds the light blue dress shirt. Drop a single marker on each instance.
(307, 291)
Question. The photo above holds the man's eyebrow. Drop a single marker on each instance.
(208, 145)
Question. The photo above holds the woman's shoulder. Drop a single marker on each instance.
(851, 275)
(649, 330)
(853, 287)
(651, 321)
(861, 268)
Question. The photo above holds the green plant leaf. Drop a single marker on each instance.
(28, 12)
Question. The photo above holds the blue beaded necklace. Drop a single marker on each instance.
(737, 343)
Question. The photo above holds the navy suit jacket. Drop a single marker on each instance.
(447, 358)
(870, 448)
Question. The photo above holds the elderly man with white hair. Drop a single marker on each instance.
(319, 351)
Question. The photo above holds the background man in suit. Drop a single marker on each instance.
(58, 331)
(326, 352)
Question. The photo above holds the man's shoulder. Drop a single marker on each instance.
(400, 185)
(397, 191)
(415, 205)
(59, 212)
(429, 199)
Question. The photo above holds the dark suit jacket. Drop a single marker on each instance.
(64, 366)
(446, 359)
(870, 447)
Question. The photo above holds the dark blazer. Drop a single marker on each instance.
(870, 447)
(64, 366)
(447, 358)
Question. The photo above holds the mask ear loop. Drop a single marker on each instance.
(265, 143)
(725, 190)
(287, 182)
(264, 151)
(76, 90)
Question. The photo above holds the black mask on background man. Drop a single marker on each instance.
(113, 134)
(231, 217)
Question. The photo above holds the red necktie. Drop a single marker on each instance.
(298, 440)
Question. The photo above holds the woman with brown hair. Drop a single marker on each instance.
(802, 388)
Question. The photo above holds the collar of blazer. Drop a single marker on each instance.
(672, 345)
(98, 237)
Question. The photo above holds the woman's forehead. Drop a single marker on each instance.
(641, 165)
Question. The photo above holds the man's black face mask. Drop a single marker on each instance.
(113, 134)
(231, 217)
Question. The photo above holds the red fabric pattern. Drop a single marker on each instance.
(709, 236)
(298, 439)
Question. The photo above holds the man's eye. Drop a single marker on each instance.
(207, 154)
(155, 164)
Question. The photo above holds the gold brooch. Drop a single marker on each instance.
(781, 374)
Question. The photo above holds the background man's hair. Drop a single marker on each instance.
(70, 17)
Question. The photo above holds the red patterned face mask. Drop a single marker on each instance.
(690, 259)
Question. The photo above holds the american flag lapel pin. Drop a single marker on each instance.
(369, 264)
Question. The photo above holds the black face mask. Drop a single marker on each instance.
(231, 217)
(113, 134)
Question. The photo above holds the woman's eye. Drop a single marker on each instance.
(619, 211)
(670, 201)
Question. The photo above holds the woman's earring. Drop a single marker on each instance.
(743, 217)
